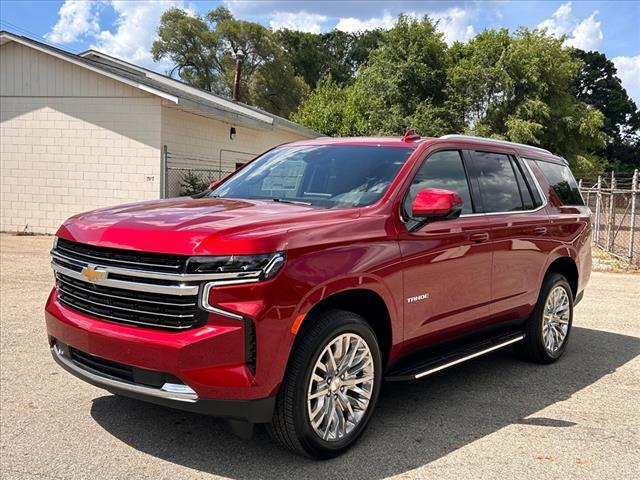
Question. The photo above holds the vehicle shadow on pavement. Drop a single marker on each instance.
(415, 423)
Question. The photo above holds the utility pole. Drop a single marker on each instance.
(236, 79)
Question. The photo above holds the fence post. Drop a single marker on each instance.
(612, 212)
(163, 172)
(598, 205)
(634, 193)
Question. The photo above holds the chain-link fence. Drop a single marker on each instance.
(188, 174)
(614, 205)
(189, 181)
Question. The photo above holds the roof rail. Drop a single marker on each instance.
(493, 140)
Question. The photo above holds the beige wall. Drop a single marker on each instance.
(72, 140)
(61, 155)
(202, 142)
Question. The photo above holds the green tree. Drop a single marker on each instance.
(401, 86)
(597, 85)
(335, 53)
(519, 87)
(204, 51)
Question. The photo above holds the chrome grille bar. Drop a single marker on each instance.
(123, 320)
(106, 305)
(109, 295)
(178, 289)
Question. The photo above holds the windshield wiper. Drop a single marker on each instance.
(294, 202)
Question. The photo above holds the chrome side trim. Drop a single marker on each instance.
(141, 287)
(468, 357)
(168, 390)
(206, 291)
(179, 277)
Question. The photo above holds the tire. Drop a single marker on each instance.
(291, 425)
(535, 346)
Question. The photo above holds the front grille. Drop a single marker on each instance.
(130, 306)
(102, 365)
(114, 257)
(118, 371)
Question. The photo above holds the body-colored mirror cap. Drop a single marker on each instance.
(433, 202)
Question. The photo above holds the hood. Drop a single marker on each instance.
(202, 226)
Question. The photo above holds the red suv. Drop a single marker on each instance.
(288, 292)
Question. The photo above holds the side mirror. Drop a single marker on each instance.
(214, 184)
(432, 203)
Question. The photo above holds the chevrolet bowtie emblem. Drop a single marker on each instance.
(93, 274)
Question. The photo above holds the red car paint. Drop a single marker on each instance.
(477, 270)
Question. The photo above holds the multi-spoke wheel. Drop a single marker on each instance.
(340, 388)
(331, 385)
(549, 326)
(555, 319)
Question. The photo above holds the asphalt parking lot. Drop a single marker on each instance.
(495, 417)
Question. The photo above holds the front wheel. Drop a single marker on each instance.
(549, 326)
(331, 386)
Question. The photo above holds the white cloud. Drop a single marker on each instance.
(453, 22)
(588, 34)
(456, 25)
(135, 31)
(352, 24)
(76, 19)
(302, 21)
(629, 72)
(584, 34)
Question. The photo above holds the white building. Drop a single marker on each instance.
(79, 132)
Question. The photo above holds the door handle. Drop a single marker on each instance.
(540, 230)
(479, 237)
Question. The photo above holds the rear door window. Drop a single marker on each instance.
(499, 185)
(562, 181)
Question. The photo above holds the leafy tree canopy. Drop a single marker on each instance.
(204, 51)
(523, 86)
(597, 85)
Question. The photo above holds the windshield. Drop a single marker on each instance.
(329, 176)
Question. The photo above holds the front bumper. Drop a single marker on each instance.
(210, 360)
(169, 395)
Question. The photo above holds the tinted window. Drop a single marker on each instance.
(525, 192)
(561, 180)
(441, 170)
(498, 183)
(329, 176)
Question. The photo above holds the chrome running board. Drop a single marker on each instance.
(454, 357)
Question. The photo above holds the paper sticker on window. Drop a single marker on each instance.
(285, 176)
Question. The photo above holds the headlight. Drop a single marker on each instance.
(268, 264)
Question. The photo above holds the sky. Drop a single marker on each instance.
(127, 28)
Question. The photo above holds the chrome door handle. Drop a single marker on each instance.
(540, 230)
(479, 237)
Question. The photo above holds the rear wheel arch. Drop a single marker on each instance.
(565, 266)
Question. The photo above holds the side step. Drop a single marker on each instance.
(439, 361)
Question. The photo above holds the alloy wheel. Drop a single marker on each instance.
(555, 319)
(340, 387)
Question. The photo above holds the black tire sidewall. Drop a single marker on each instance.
(310, 441)
(552, 281)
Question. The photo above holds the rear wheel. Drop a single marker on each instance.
(548, 328)
(330, 388)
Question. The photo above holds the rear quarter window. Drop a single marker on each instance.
(562, 181)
